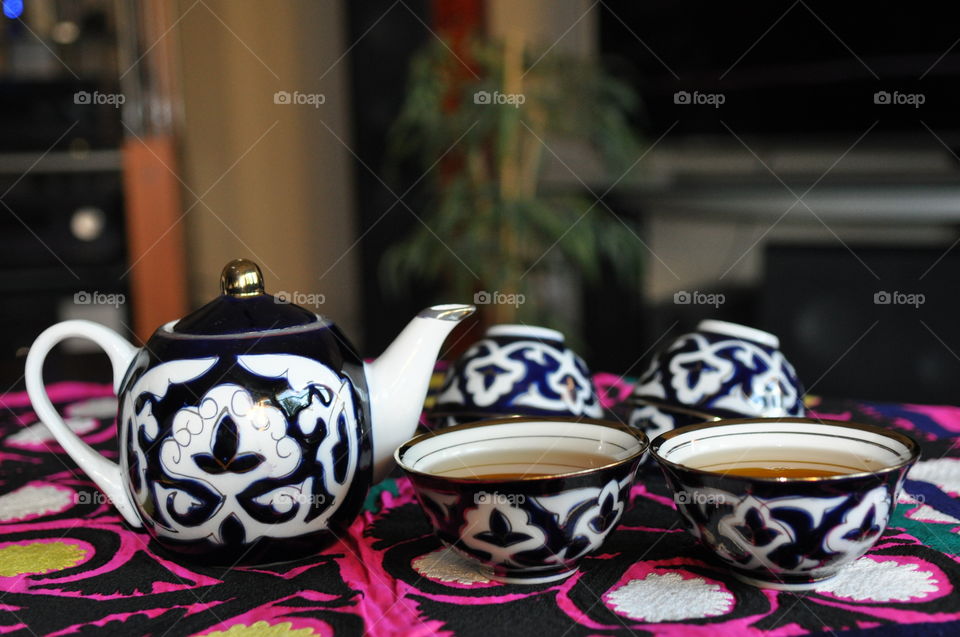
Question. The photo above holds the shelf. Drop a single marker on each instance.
(61, 162)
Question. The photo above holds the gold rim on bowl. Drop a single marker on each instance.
(638, 435)
(912, 446)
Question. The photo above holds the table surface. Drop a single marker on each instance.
(69, 565)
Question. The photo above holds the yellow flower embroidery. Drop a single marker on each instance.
(39, 557)
(261, 629)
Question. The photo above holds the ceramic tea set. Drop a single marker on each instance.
(250, 432)
(786, 533)
(517, 369)
(723, 389)
(524, 528)
(721, 370)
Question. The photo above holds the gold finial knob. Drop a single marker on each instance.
(241, 277)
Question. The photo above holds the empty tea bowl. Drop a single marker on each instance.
(516, 370)
(785, 503)
(525, 499)
(721, 370)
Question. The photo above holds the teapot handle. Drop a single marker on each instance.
(105, 473)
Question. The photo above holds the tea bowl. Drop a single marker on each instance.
(525, 499)
(721, 370)
(793, 531)
(516, 370)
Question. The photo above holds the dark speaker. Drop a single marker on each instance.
(385, 38)
(875, 323)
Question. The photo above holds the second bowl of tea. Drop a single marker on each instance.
(526, 498)
(786, 502)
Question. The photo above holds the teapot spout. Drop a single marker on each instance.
(398, 380)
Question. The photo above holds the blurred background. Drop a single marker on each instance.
(616, 169)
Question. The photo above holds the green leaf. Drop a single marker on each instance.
(481, 211)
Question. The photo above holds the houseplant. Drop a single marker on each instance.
(479, 126)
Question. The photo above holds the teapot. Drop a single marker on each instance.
(250, 430)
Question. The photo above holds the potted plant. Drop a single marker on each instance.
(480, 135)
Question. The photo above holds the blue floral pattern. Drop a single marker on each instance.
(512, 375)
(517, 534)
(792, 539)
(235, 465)
(717, 374)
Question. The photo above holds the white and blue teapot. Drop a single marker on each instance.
(250, 431)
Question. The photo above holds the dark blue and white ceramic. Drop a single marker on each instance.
(721, 370)
(532, 515)
(250, 430)
(786, 533)
(517, 370)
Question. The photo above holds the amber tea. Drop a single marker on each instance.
(514, 464)
(783, 462)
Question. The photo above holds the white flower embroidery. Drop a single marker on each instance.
(38, 434)
(943, 472)
(926, 513)
(869, 579)
(34, 500)
(105, 407)
(669, 597)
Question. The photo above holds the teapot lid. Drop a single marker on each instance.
(243, 306)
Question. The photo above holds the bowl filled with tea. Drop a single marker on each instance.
(785, 503)
(525, 498)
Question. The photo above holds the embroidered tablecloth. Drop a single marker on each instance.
(69, 565)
